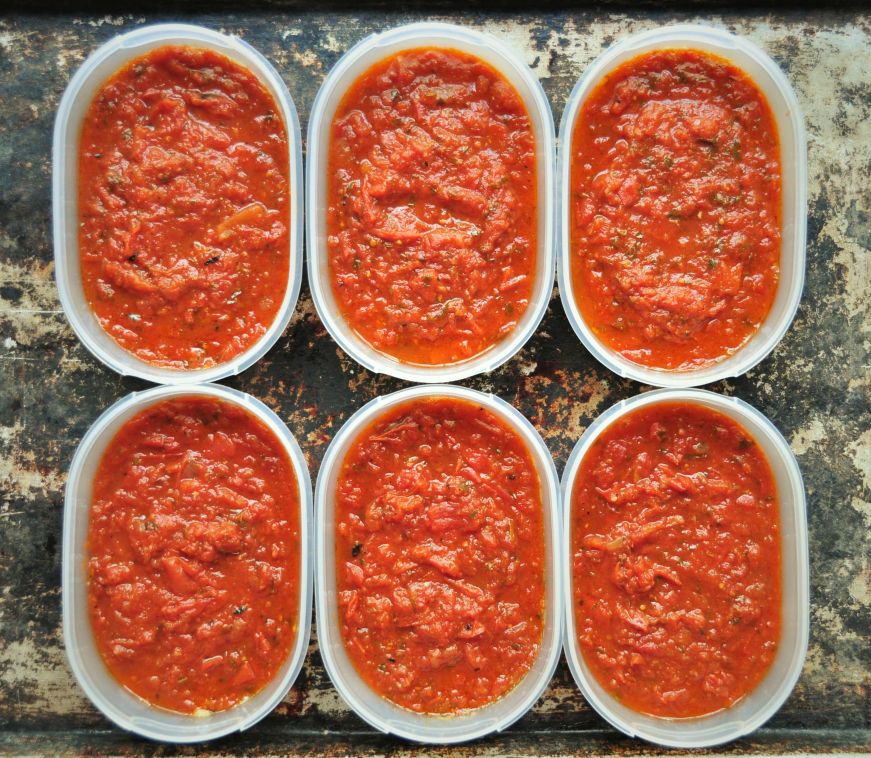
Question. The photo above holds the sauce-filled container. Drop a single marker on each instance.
(357, 63)
(333, 611)
(115, 700)
(788, 123)
(73, 110)
(748, 711)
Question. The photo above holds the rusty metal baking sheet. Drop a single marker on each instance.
(815, 386)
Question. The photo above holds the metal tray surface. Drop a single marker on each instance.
(815, 386)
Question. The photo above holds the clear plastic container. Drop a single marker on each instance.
(758, 706)
(104, 62)
(372, 707)
(115, 701)
(793, 153)
(350, 66)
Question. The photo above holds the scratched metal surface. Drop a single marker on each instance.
(815, 386)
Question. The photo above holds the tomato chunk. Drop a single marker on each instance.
(439, 530)
(193, 600)
(676, 209)
(677, 589)
(184, 208)
(432, 217)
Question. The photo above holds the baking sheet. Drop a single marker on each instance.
(815, 386)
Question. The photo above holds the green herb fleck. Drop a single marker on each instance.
(735, 151)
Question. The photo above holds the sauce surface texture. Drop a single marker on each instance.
(432, 214)
(194, 557)
(440, 556)
(184, 208)
(676, 560)
(675, 209)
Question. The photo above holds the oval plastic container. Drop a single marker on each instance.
(117, 703)
(372, 707)
(352, 65)
(104, 62)
(793, 154)
(759, 705)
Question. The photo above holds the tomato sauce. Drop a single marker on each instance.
(675, 209)
(184, 208)
(194, 555)
(676, 560)
(432, 206)
(440, 556)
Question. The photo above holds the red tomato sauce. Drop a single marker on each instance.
(194, 556)
(432, 213)
(675, 209)
(676, 560)
(440, 556)
(184, 208)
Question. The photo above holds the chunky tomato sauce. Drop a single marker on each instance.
(440, 556)
(194, 556)
(675, 209)
(184, 208)
(676, 560)
(432, 217)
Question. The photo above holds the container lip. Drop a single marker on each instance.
(127, 364)
(738, 410)
(198, 730)
(743, 359)
(483, 726)
(357, 348)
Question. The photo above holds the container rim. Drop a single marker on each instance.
(409, 36)
(125, 363)
(199, 730)
(549, 484)
(739, 411)
(685, 36)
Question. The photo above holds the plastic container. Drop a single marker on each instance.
(759, 705)
(793, 154)
(93, 73)
(352, 65)
(117, 703)
(372, 707)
